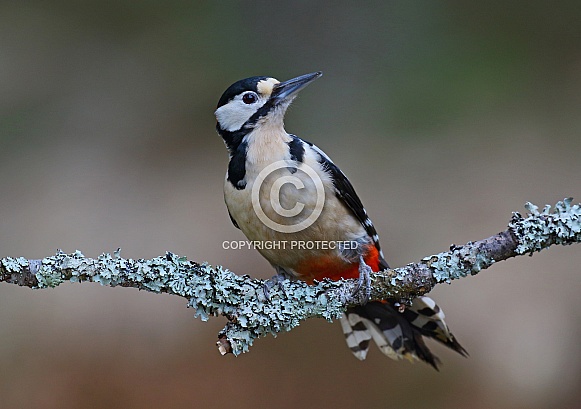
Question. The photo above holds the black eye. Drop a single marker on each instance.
(249, 98)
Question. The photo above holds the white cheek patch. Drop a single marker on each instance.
(235, 113)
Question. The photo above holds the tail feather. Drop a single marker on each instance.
(359, 331)
(356, 334)
(428, 318)
(398, 335)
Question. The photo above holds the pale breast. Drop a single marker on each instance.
(291, 207)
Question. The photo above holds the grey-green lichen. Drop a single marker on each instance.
(457, 263)
(539, 230)
(214, 291)
(210, 291)
(561, 225)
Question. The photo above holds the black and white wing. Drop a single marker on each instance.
(345, 191)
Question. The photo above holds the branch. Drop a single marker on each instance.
(214, 291)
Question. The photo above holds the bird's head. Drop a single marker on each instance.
(253, 101)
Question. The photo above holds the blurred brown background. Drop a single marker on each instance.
(446, 116)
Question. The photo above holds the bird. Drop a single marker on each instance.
(288, 195)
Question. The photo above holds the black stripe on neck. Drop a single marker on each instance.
(233, 139)
(296, 148)
(237, 166)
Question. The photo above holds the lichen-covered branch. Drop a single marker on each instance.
(214, 291)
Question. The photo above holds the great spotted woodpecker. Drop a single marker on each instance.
(288, 195)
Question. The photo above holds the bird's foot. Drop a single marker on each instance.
(362, 291)
(277, 280)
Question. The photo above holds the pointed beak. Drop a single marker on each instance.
(286, 91)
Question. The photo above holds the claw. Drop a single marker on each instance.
(277, 280)
(364, 281)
